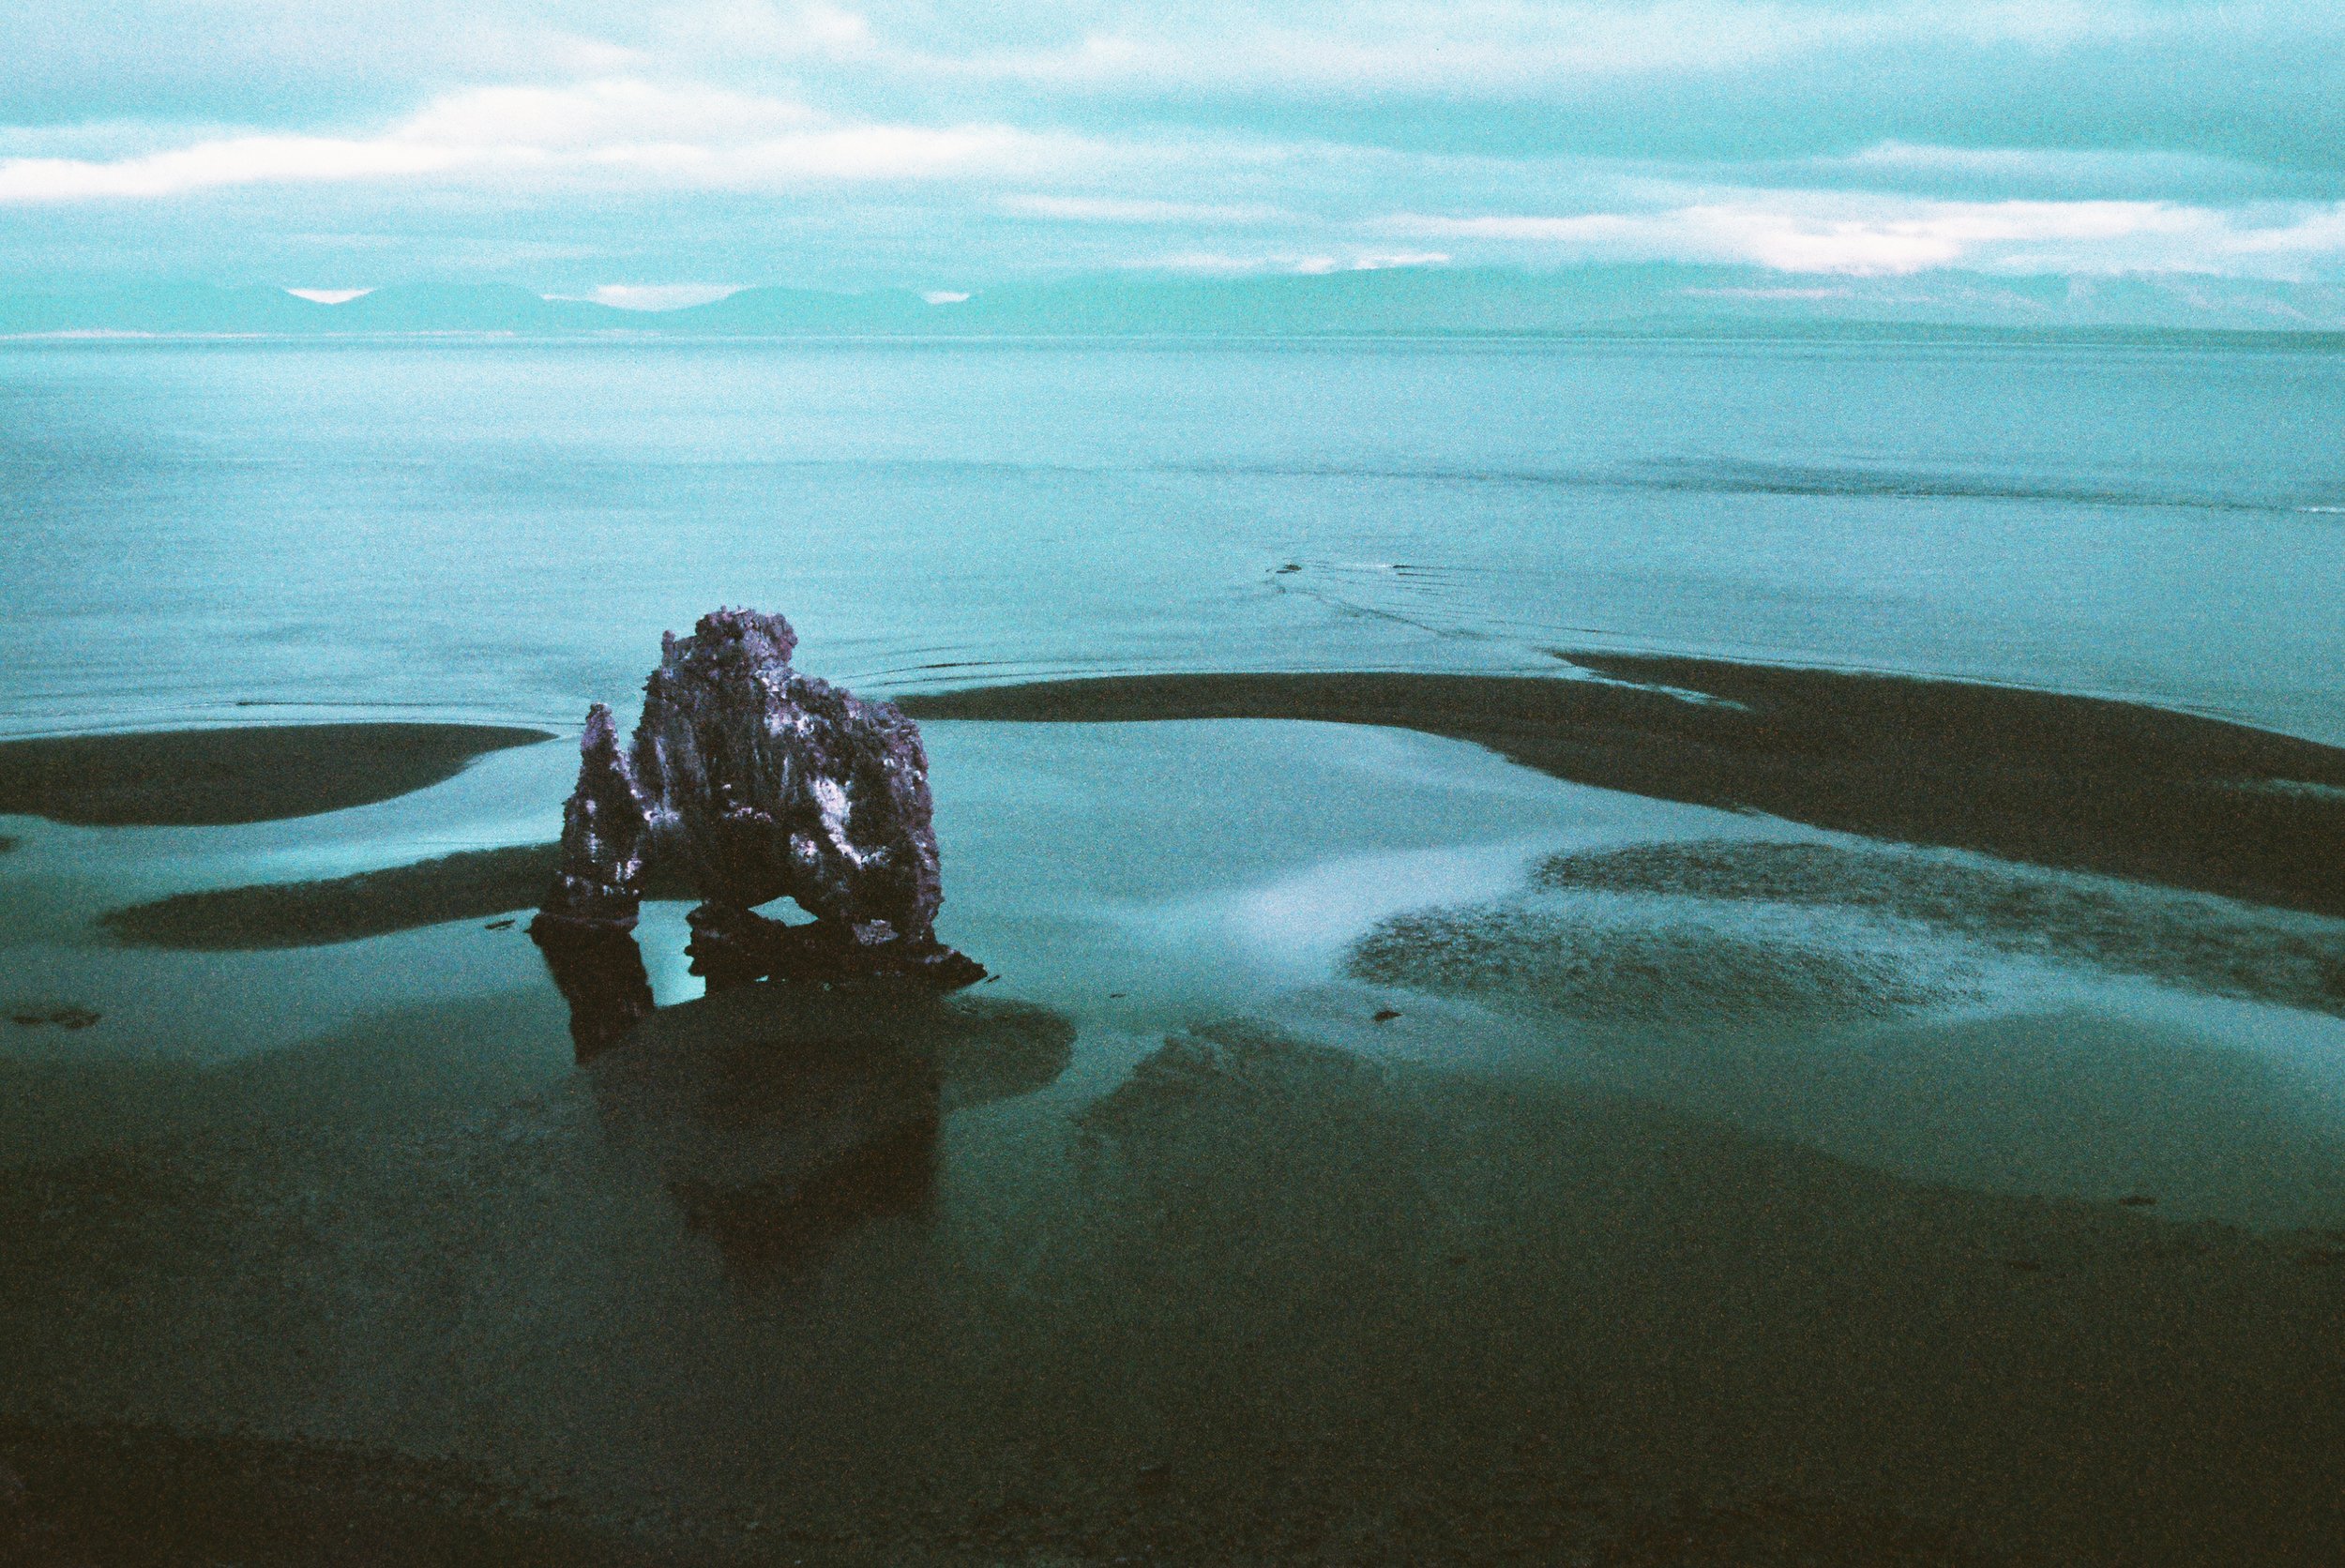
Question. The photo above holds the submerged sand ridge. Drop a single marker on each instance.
(470, 884)
(2195, 941)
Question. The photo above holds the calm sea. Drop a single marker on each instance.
(204, 532)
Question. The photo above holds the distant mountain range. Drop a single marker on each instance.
(1660, 298)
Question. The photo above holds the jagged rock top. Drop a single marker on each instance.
(775, 783)
(761, 783)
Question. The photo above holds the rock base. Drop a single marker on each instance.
(735, 947)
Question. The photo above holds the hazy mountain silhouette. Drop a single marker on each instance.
(1434, 301)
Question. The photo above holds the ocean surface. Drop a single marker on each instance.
(208, 532)
(1462, 1186)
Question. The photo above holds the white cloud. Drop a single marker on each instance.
(903, 141)
(231, 161)
(114, 46)
(698, 136)
(329, 296)
(1222, 263)
(1873, 235)
(591, 114)
(1429, 45)
(1107, 209)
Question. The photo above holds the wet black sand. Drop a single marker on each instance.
(1265, 1302)
(2195, 942)
(472, 884)
(2119, 788)
(209, 777)
(117, 1495)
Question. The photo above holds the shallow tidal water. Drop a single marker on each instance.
(499, 529)
(1369, 1149)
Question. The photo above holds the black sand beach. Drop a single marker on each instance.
(1262, 1301)
(1266, 1302)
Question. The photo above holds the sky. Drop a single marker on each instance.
(655, 152)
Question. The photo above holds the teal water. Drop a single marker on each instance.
(1701, 1194)
(194, 532)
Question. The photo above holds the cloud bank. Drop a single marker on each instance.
(697, 144)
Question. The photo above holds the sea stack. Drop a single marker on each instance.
(755, 782)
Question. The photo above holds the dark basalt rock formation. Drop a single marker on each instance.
(599, 880)
(755, 783)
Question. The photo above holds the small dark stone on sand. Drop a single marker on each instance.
(62, 1018)
(505, 924)
(1386, 1015)
(2138, 1200)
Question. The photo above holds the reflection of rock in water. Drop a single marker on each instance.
(601, 972)
(774, 1146)
(782, 1117)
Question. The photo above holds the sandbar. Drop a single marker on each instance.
(2083, 783)
(462, 886)
(215, 777)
